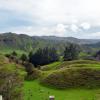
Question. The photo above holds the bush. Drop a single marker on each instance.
(33, 75)
(11, 83)
(24, 57)
(14, 53)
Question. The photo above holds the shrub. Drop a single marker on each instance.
(11, 83)
(14, 53)
(33, 75)
(24, 58)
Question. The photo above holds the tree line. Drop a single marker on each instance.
(48, 55)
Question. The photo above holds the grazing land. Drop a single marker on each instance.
(33, 90)
(34, 68)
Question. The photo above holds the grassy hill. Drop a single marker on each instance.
(42, 90)
(70, 64)
(72, 80)
(55, 76)
(21, 42)
(72, 74)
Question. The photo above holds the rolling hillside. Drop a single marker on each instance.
(9, 41)
(58, 78)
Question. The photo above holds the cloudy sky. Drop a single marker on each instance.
(77, 18)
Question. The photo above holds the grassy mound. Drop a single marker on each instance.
(79, 73)
(89, 78)
(70, 64)
(51, 66)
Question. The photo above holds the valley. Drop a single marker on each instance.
(37, 67)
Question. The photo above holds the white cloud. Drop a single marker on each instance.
(56, 10)
(74, 28)
(60, 28)
(85, 26)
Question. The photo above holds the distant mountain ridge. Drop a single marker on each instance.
(25, 42)
(73, 39)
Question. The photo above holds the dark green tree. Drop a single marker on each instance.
(30, 54)
(71, 52)
(14, 53)
(24, 57)
(53, 55)
(44, 56)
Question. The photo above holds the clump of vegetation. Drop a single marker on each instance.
(14, 53)
(32, 73)
(11, 85)
(11, 81)
(71, 52)
(44, 56)
(24, 58)
(68, 78)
